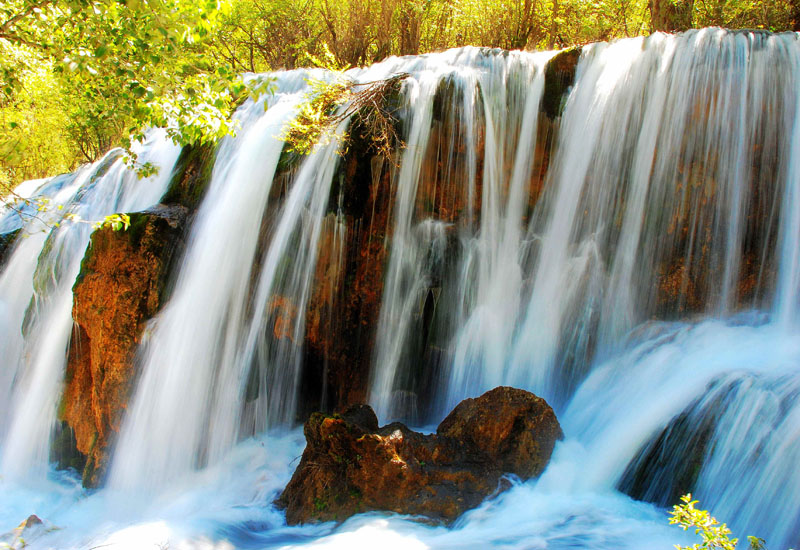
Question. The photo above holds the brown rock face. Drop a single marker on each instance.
(344, 306)
(350, 465)
(120, 288)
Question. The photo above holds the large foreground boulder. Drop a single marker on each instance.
(350, 465)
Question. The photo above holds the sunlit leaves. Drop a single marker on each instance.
(713, 535)
(123, 66)
(312, 125)
(365, 105)
(116, 222)
(33, 139)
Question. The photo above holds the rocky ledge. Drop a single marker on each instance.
(350, 465)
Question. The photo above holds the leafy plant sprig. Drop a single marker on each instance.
(714, 535)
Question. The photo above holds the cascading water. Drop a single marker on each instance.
(200, 327)
(38, 280)
(505, 96)
(214, 332)
(625, 195)
(17, 282)
(626, 249)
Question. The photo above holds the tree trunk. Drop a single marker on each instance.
(796, 15)
(671, 15)
(551, 41)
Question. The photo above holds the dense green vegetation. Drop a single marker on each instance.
(80, 76)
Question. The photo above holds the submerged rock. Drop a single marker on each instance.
(350, 465)
(29, 529)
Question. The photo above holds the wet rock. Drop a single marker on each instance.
(191, 176)
(558, 80)
(668, 466)
(7, 244)
(30, 528)
(64, 448)
(350, 465)
(32, 520)
(515, 428)
(344, 306)
(121, 286)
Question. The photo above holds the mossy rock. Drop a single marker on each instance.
(559, 76)
(191, 176)
(7, 241)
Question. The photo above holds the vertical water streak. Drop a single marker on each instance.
(402, 286)
(492, 297)
(558, 274)
(618, 314)
(166, 431)
(286, 273)
(788, 291)
(16, 285)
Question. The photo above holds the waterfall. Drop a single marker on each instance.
(197, 334)
(215, 332)
(662, 142)
(490, 270)
(37, 291)
(614, 228)
(17, 282)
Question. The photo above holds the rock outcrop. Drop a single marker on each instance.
(350, 465)
(343, 310)
(120, 287)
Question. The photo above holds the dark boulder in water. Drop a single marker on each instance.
(350, 465)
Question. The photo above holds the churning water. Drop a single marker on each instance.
(630, 254)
